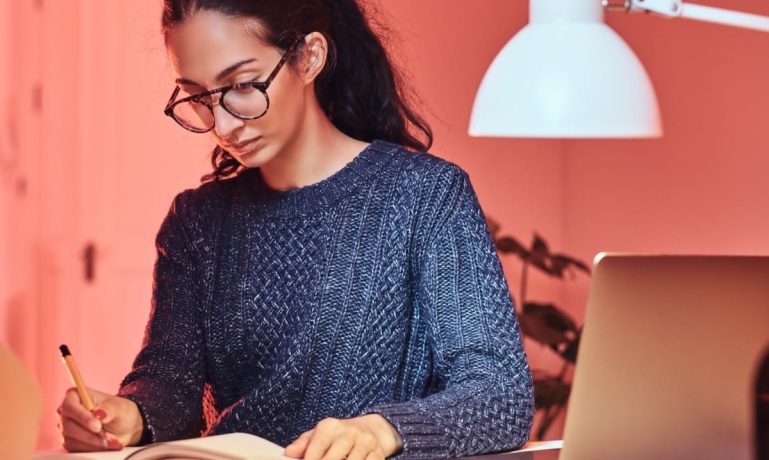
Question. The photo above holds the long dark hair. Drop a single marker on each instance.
(359, 90)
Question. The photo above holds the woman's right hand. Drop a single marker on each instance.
(81, 430)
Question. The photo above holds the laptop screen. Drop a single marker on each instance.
(668, 361)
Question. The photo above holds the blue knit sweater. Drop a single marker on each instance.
(377, 290)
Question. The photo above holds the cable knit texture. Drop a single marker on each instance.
(377, 290)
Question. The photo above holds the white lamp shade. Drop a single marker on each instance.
(566, 79)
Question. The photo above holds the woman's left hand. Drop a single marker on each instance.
(368, 437)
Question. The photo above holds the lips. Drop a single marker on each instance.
(240, 146)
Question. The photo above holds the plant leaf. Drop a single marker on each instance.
(558, 265)
(570, 352)
(540, 255)
(568, 349)
(493, 227)
(549, 391)
(562, 263)
(539, 246)
(509, 245)
(546, 323)
(554, 315)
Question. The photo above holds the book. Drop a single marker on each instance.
(232, 446)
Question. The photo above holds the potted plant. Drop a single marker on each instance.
(544, 322)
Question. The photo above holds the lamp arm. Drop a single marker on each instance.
(677, 8)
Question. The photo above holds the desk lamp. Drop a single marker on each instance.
(568, 75)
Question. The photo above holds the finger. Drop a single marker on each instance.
(76, 445)
(378, 455)
(297, 448)
(113, 432)
(73, 430)
(104, 414)
(71, 433)
(60, 429)
(76, 436)
(365, 444)
(321, 440)
(110, 408)
(340, 447)
(120, 416)
(71, 408)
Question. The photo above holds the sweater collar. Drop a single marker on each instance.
(320, 195)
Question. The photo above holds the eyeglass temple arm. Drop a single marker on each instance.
(173, 96)
(283, 59)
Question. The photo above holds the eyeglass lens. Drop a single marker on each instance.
(243, 101)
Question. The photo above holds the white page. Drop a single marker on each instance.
(232, 445)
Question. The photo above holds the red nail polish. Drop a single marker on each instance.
(99, 414)
(115, 444)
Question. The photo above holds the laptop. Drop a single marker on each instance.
(668, 362)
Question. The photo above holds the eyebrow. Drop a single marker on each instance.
(221, 76)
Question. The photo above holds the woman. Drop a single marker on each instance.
(328, 289)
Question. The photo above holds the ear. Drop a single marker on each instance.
(314, 56)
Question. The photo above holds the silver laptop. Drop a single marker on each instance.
(668, 360)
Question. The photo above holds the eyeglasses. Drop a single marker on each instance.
(246, 101)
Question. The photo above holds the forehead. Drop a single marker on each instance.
(208, 42)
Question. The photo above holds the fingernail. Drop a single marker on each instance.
(115, 444)
(99, 414)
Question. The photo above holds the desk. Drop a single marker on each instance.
(548, 454)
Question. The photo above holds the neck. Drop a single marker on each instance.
(318, 151)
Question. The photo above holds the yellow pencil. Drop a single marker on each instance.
(77, 381)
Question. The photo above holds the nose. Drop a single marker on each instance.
(224, 122)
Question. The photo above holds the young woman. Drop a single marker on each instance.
(326, 288)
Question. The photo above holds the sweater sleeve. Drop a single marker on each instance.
(485, 400)
(167, 378)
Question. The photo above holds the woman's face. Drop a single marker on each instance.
(209, 50)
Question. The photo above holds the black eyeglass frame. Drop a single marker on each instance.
(261, 86)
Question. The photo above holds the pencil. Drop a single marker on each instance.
(77, 381)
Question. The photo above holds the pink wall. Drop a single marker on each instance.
(703, 187)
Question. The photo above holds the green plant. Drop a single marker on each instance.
(545, 323)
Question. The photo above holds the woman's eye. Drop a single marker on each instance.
(191, 90)
(244, 88)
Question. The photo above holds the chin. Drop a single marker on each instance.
(255, 158)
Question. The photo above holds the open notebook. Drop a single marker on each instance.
(232, 446)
